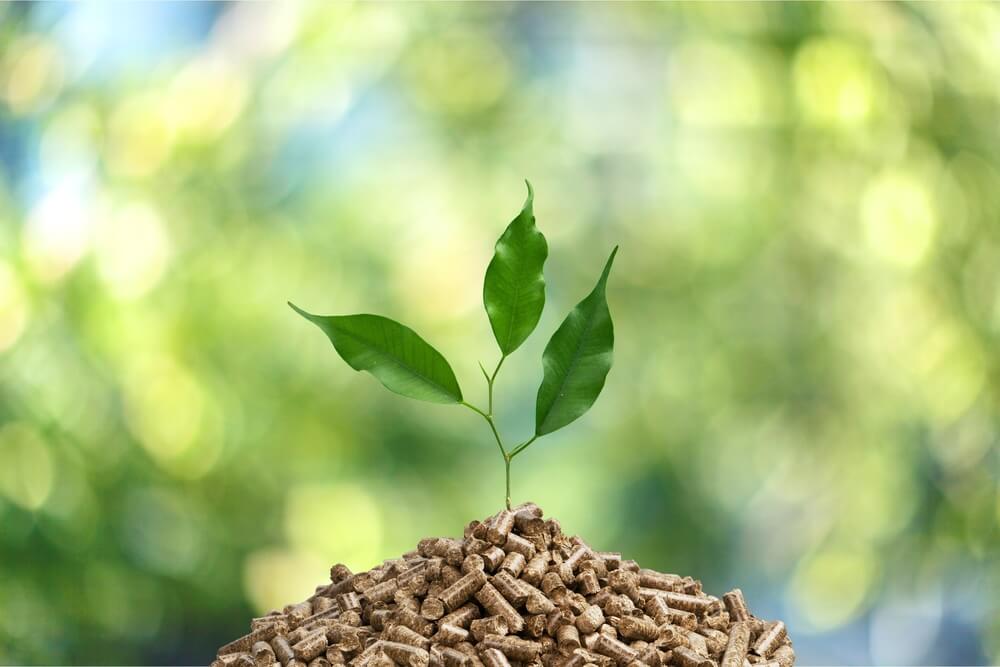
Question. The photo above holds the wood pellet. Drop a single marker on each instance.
(514, 592)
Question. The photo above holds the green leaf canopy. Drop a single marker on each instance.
(401, 360)
(514, 289)
(576, 360)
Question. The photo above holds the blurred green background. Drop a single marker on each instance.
(805, 396)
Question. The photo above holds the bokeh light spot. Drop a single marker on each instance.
(27, 471)
(164, 407)
(132, 249)
(898, 218)
(834, 82)
(705, 78)
(830, 587)
(59, 229)
(206, 97)
(13, 307)
(462, 73)
(34, 74)
(273, 577)
(338, 522)
(140, 135)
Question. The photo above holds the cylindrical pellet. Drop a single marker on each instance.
(491, 625)
(737, 646)
(500, 527)
(458, 593)
(495, 603)
(494, 658)
(634, 627)
(736, 605)
(769, 639)
(568, 637)
(513, 647)
(685, 657)
(590, 620)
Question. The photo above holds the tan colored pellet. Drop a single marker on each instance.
(432, 608)
(587, 582)
(519, 544)
(649, 655)
(614, 649)
(513, 647)
(686, 602)
(404, 635)
(534, 569)
(671, 636)
(463, 615)
(696, 642)
(405, 654)
(491, 625)
(282, 650)
(494, 557)
(685, 657)
(243, 644)
(737, 646)
(459, 593)
(413, 621)
(784, 656)
(568, 637)
(495, 603)
(510, 588)
(384, 591)
(716, 640)
(635, 627)
(590, 620)
(451, 634)
(473, 562)
(769, 639)
(263, 654)
(500, 527)
(310, 647)
(494, 658)
(736, 605)
(513, 563)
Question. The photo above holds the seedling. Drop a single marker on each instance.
(575, 362)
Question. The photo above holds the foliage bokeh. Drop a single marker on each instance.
(804, 401)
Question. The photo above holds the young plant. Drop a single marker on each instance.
(575, 363)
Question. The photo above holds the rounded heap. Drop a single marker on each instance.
(514, 591)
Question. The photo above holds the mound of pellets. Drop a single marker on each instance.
(515, 592)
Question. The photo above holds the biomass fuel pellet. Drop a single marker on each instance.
(515, 590)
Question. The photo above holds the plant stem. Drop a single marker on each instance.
(523, 446)
(491, 379)
(488, 416)
(506, 463)
(496, 436)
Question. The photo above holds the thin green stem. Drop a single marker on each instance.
(496, 436)
(492, 379)
(523, 446)
(506, 462)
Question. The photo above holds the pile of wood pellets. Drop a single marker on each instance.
(515, 592)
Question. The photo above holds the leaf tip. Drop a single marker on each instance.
(607, 267)
(303, 313)
(530, 200)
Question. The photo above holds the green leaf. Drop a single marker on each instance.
(514, 289)
(576, 361)
(401, 360)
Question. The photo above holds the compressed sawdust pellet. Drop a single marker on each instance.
(514, 592)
